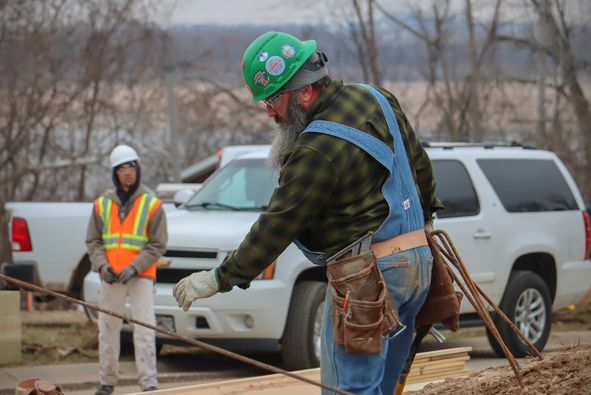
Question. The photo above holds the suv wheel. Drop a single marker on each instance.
(527, 303)
(300, 345)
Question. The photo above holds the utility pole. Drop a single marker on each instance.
(172, 121)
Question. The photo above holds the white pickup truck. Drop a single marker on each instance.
(48, 244)
(514, 213)
(48, 240)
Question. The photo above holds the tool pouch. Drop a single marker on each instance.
(443, 301)
(370, 314)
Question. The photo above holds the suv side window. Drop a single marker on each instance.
(528, 185)
(455, 189)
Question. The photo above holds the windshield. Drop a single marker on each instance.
(243, 184)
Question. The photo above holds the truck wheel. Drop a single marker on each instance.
(527, 303)
(300, 345)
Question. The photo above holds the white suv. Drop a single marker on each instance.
(515, 215)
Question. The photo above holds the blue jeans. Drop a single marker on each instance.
(408, 276)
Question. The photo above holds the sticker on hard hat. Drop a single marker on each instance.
(275, 65)
(288, 51)
(261, 78)
(263, 56)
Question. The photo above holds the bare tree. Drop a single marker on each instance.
(554, 24)
(65, 65)
(456, 94)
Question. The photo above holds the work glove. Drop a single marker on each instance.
(127, 274)
(198, 285)
(107, 274)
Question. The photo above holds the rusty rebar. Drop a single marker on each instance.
(198, 343)
(473, 293)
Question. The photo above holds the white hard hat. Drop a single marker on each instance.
(123, 154)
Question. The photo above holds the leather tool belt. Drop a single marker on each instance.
(400, 243)
(363, 310)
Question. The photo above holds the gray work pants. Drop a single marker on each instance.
(140, 292)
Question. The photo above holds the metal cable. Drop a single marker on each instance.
(208, 347)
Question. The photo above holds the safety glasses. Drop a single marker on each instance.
(273, 101)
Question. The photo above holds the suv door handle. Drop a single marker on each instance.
(482, 234)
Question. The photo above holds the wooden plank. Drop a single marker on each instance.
(279, 384)
(428, 369)
(442, 361)
(447, 351)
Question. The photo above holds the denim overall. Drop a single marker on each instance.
(407, 273)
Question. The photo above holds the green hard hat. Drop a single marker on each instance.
(271, 60)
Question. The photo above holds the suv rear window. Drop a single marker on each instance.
(455, 189)
(528, 185)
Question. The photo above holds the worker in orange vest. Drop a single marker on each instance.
(126, 236)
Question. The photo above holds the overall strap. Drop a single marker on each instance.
(399, 190)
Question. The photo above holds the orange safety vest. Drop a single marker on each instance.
(123, 241)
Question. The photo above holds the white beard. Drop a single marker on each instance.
(296, 121)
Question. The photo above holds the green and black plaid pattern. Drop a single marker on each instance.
(329, 191)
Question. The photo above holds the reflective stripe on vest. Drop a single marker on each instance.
(123, 241)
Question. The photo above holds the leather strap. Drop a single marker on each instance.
(400, 243)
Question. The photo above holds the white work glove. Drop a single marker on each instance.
(198, 285)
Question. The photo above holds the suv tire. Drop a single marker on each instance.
(526, 303)
(300, 345)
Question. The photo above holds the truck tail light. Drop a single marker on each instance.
(21, 240)
(587, 222)
(268, 273)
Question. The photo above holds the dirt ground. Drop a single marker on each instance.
(567, 371)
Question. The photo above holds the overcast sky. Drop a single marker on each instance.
(316, 12)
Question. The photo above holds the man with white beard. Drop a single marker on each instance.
(349, 164)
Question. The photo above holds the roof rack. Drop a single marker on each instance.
(453, 145)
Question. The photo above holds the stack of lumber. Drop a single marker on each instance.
(435, 365)
(427, 366)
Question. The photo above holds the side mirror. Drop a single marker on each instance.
(182, 196)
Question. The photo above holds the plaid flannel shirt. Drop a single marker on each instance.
(329, 191)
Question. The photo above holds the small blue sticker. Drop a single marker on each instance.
(263, 55)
